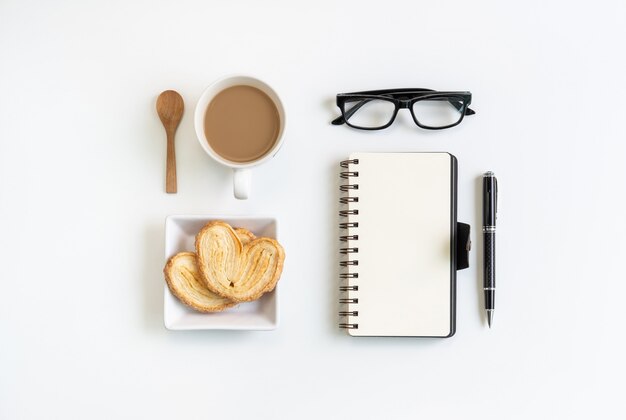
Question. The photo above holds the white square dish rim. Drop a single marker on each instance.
(230, 319)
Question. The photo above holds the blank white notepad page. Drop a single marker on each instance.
(404, 237)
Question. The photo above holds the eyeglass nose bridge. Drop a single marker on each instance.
(404, 103)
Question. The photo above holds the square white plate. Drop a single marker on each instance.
(262, 314)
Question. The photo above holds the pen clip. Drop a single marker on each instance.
(495, 180)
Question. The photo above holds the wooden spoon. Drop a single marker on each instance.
(170, 107)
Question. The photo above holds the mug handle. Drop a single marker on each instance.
(241, 183)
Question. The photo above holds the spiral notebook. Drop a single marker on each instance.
(398, 244)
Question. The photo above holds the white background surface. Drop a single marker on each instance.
(82, 207)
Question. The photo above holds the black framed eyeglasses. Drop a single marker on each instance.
(377, 109)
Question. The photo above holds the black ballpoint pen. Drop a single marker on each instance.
(490, 209)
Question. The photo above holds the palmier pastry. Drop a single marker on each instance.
(186, 283)
(244, 235)
(235, 270)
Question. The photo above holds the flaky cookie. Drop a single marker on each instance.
(235, 270)
(244, 235)
(186, 283)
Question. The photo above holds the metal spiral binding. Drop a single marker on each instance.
(346, 213)
(346, 163)
(348, 188)
(348, 225)
(349, 300)
(346, 200)
(348, 263)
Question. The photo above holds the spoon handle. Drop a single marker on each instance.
(170, 176)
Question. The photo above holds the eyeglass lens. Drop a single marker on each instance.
(438, 112)
(368, 113)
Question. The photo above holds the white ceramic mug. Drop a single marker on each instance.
(241, 171)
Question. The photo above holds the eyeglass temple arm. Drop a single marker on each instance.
(341, 120)
(338, 121)
(459, 105)
(468, 111)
